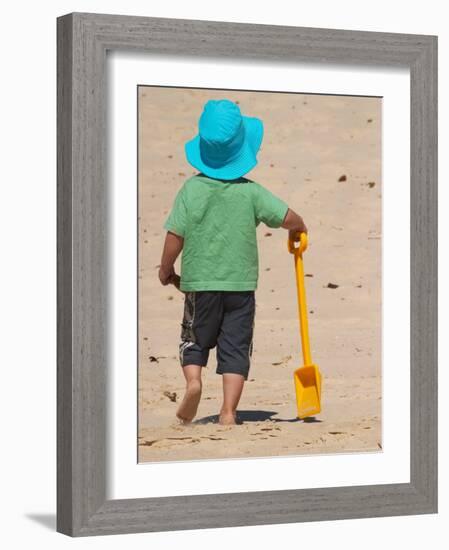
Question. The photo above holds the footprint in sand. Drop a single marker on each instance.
(171, 395)
(149, 443)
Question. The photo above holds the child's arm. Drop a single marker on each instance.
(172, 248)
(295, 224)
(274, 212)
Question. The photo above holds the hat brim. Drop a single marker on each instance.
(245, 161)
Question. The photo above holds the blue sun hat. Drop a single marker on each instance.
(227, 142)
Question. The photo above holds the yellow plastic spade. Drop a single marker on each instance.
(308, 377)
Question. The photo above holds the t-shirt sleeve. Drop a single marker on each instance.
(269, 208)
(177, 219)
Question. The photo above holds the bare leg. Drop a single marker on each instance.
(232, 390)
(189, 405)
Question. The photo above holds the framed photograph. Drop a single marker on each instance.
(247, 274)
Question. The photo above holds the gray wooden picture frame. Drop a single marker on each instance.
(83, 40)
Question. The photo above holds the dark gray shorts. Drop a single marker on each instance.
(222, 318)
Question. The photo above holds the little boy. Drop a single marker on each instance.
(213, 221)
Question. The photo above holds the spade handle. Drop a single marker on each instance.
(301, 291)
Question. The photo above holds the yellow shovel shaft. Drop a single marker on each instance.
(301, 293)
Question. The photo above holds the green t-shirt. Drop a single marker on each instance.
(218, 220)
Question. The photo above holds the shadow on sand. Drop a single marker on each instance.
(254, 416)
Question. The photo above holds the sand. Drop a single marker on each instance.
(310, 143)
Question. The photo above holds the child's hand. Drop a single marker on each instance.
(166, 275)
(175, 280)
(295, 234)
(295, 225)
(169, 277)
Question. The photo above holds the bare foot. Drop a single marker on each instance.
(227, 419)
(183, 421)
(189, 405)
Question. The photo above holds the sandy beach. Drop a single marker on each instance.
(322, 155)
